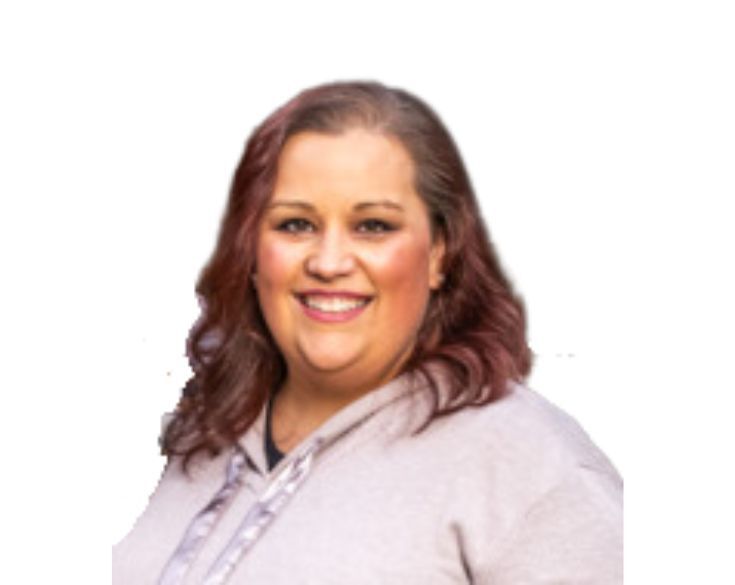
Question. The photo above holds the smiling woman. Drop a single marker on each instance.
(357, 413)
(345, 264)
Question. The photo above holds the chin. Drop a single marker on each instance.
(329, 364)
(330, 358)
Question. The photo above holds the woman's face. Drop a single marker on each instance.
(345, 259)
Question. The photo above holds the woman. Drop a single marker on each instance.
(356, 413)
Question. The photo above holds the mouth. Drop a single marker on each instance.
(333, 305)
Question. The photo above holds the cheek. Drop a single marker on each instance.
(402, 271)
(275, 262)
(276, 266)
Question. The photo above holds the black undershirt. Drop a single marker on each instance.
(272, 454)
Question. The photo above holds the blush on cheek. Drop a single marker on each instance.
(402, 280)
(274, 274)
(405, 263)
(275, 260)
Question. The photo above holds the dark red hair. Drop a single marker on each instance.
(474, 326)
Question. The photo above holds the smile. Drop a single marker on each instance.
(333, 307)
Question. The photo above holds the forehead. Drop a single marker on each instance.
(357, 162)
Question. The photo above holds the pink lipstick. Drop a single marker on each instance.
(329, 306)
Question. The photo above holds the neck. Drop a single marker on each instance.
(305, 401)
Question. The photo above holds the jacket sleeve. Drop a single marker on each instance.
(572, 534)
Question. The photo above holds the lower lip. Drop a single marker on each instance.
(329, 317)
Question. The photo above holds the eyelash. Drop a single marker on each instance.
(369, 226)
(295, 226)
(375, 226)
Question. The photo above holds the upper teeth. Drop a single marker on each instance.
(334, 304)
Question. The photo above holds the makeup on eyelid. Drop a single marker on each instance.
(372, 225)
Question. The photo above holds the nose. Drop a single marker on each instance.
(331, 256)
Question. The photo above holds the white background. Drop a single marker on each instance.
(601, 140)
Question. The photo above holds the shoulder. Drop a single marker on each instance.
(532, 494)
(513, 452)
(523, 428)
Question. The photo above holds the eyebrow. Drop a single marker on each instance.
(287, 203)
(381, 203)
(358, 207)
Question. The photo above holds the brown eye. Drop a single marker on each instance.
(375, 226)
(295, 226)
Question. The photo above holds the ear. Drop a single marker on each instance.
(436, 263)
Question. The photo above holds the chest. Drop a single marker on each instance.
(356, 521)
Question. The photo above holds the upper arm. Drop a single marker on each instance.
(572, 534)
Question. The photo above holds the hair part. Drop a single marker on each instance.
(474, 326)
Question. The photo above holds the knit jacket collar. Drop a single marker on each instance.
(349, 417)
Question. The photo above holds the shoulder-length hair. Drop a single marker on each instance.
(474, 325)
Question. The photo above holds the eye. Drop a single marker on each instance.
(295, 225)
(375, 226)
